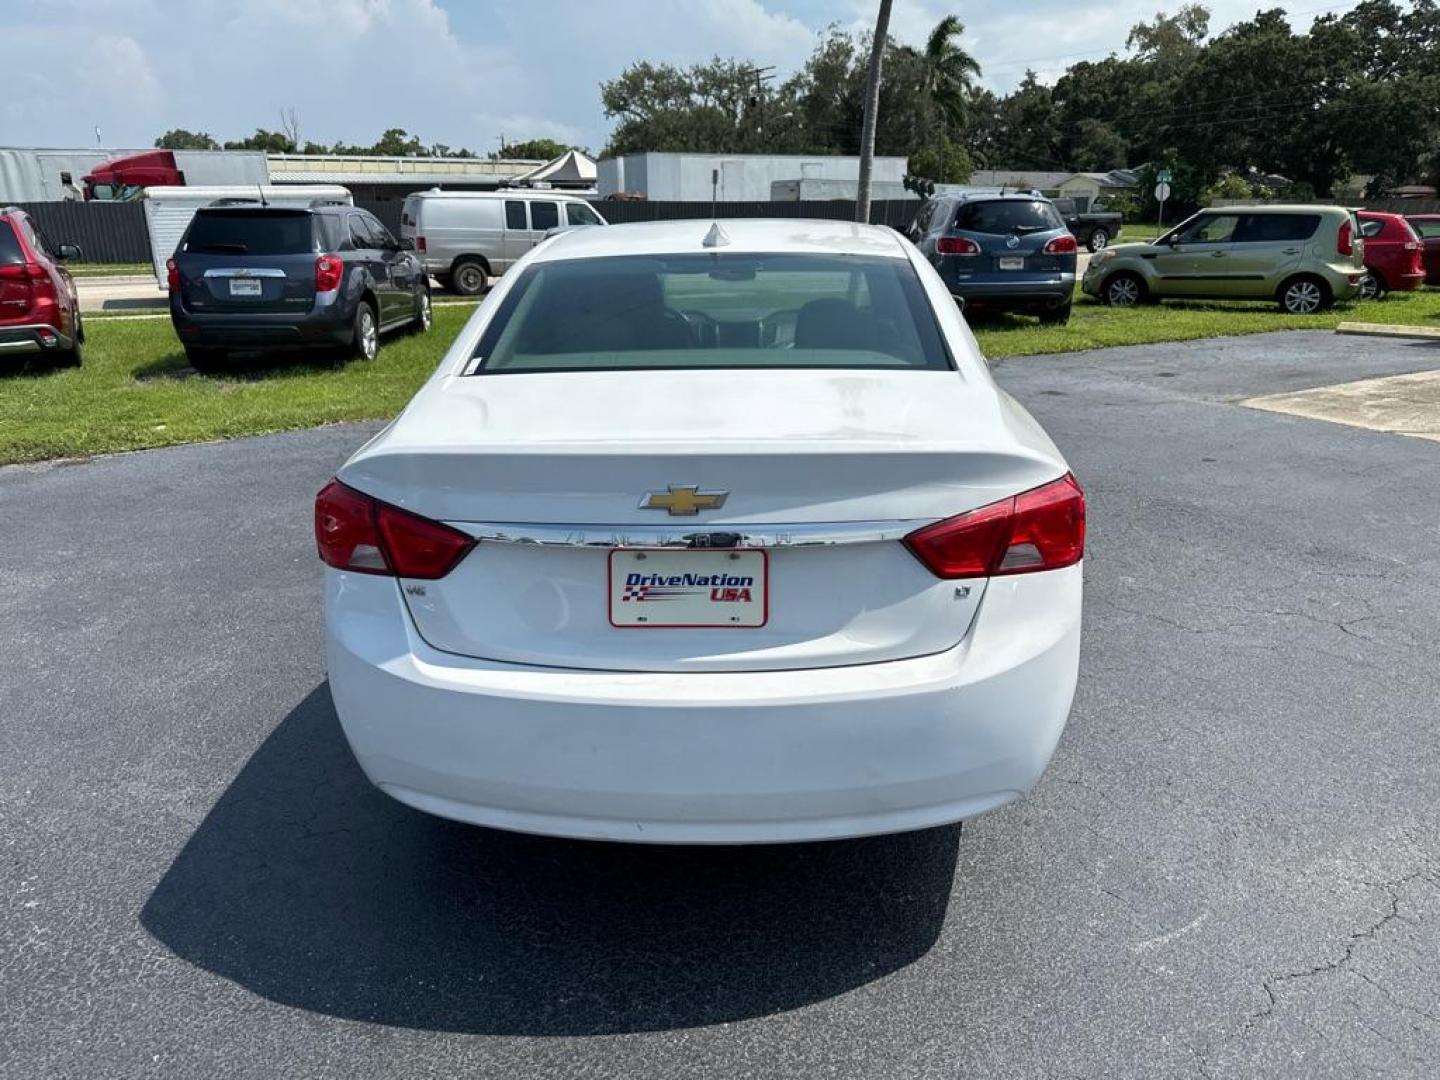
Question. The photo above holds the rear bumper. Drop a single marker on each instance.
(1050, 291)
(1398, 282)
(32, 339)
(746, 757)
(327, 325)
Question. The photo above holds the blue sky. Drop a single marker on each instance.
(459, 71)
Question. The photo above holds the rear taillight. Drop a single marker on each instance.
(172, 275)
(419, 243)
(1040, 529)
(956, 245)
(328, 272)
(1061, 245)
(355, 532)
(1345, 242)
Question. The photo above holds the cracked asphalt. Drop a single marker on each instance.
(1230, 870)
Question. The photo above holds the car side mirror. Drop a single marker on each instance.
(70, 251)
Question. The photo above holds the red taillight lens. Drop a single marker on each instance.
(328, 272)
(1345, 242)
(419, 243)
(355, 532)
(956, 245)
(1040, 529)
(1062, 245)
(172, 275)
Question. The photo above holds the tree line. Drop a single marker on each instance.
(1257, 105)
(394, 142)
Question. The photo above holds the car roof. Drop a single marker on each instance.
(503, 193)
(1288, 208)
(769, 236)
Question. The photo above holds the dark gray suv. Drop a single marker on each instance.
(1004, 252)
(265, 277)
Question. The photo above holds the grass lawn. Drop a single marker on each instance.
(135, 390)
(1140, 230)
(84, 269)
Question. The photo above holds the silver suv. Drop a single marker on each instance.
(1302, 257)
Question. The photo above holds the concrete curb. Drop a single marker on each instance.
(1419, 333)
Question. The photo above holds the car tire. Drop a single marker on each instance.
(1123, 290)
(1303, 294)
(365, 336)
(1057, 316)
(1372, 286)
(75, 355)
(1098, 240)
(424, 313)
(205, 361)
(468, 277)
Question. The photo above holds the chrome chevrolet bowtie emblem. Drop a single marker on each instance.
(683, 500)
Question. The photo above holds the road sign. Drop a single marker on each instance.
(1163, 176)
(1162, 191)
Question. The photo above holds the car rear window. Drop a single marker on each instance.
(9, 245)
(714, 311)
(250, 232)
(1275, 228)
(1007, 216)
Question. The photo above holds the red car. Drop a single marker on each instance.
(1428, 226)
(1393, 257)
(39, 310)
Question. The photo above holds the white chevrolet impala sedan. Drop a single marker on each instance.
(707, 534)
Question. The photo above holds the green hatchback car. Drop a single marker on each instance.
(1302, 257)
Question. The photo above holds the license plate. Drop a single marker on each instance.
(652, 589)
(1012, 262)
(244, 286)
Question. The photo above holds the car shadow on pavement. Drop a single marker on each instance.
(307, 886)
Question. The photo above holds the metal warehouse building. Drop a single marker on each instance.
(729, 177)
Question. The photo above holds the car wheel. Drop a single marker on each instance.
(366, 340)
(73, 356)
(424, 313)
(468, 277)
(205, 361)
(1123, 290)
(1099, 240)
(1304, 296)
(1057, 316)
(1371, 287)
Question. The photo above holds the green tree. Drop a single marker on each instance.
(948, 71)
(271, 142)
(540, 149)
(942, 161)
(180, 139)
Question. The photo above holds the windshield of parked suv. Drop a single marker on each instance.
(1003, 216)
(250, 232)
(714, 311)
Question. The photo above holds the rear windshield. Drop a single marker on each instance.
(1007, 216)
(9, 245)
(714, 311)
(250, 232)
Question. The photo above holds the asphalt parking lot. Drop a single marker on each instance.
(1230, 870)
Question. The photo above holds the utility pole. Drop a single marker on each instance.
(872, 106)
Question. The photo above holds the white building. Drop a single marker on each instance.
(729, 177)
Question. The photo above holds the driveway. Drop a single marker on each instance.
(1230, 870)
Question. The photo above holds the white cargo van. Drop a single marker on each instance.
(468, 237)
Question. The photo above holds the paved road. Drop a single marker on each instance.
(1231, 870)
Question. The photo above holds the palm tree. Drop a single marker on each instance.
(949, 71)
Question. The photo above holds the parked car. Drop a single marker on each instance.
(39, 308)
(1000, 252)
(1427, 226)
(1394, 254)
(468, 237)
(267, 277)
(1302, 257)
(585, 585)
(1093, 228)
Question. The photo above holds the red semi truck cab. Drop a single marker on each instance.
(125, 178)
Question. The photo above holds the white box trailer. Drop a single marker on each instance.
(168, 210)
(45, 174)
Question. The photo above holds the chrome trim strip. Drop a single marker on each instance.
(244, 272)
(817, 534)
